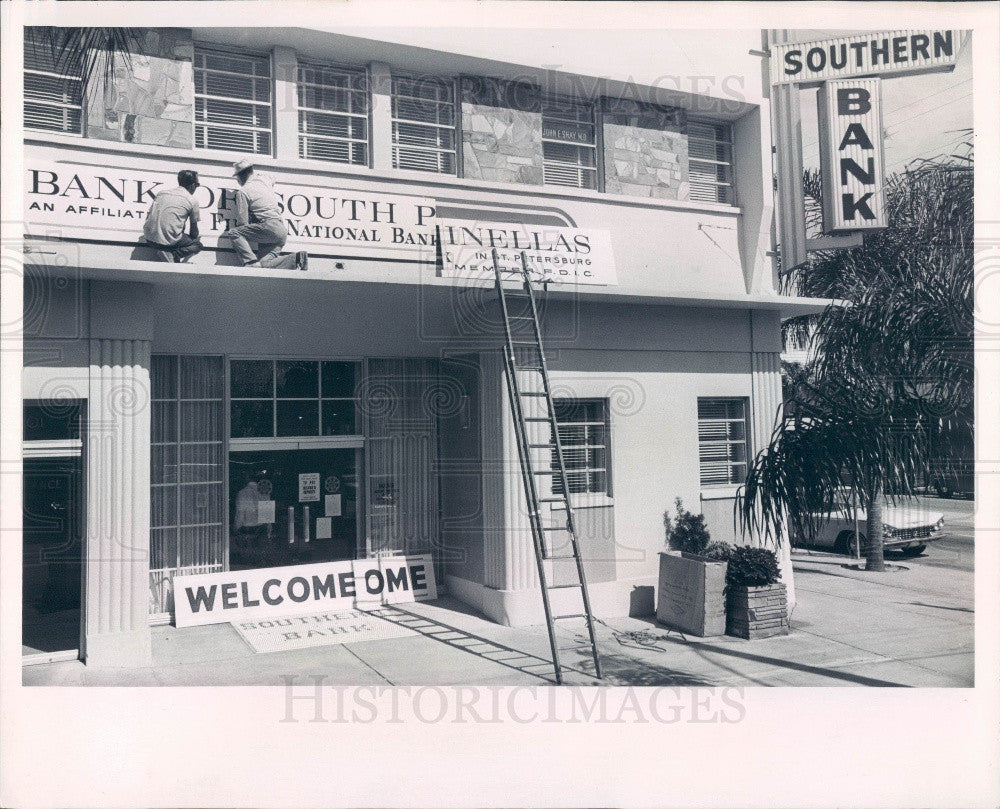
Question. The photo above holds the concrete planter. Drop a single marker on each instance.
(757, 612)
(692, 594)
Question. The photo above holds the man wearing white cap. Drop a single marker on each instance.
(258, 219)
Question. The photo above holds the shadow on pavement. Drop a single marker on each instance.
(617, 669)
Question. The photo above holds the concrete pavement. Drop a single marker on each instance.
(909, 627)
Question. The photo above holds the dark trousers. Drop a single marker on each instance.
(181, 251)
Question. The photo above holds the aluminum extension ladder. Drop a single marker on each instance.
(532, 408)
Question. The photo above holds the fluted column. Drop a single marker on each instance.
(118, 504)
(767, 400)
(509, 550)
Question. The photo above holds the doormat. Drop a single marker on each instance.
(317, 629)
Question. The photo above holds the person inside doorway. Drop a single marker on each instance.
(168, 217)
(258, 219)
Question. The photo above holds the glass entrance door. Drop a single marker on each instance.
(292, 506)
(52, 566)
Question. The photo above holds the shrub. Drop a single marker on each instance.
(718, 551)
(752, 567)
(688, 532)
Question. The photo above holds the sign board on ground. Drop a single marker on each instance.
(236, 595)
(283, 633)
(851, 155)
(556, 254)
(878, 53)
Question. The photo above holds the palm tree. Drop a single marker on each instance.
(85, 51)
(895, 357)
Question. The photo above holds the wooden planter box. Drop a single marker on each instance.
(757, 612)
(691, 596)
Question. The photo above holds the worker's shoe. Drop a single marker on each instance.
(301, 260)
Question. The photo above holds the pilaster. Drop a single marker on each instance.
(116, 630)
(767, 401)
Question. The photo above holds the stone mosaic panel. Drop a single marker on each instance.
(501, 131)
(150, 101)
(645, 150)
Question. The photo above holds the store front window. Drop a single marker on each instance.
(292, 507)
(294, 462)
(53, 515)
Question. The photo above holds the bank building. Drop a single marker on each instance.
(202, 416)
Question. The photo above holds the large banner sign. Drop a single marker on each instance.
(556, 254)
(110, 204)
(877, 53)
(213, 598)
(851, 155)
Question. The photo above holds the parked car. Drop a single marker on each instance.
(908, 527)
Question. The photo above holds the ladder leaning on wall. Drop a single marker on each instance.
(532, 408)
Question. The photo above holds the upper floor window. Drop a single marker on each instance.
(569, 143)
(53, 87)
(722, 441)
(583, 434)
(232, 102)
(423, 125)
(333, 114)
(710, 162)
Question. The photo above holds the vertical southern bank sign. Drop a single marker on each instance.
(848, 72)
(107, 204)
(851, 154)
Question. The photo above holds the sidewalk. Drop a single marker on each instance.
(911, 627)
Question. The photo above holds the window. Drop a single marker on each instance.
(186, 472)
(53, 90)
(569, 143)
(232, 102)
(710, 162)
(333, 114)
(722, 441)
(583, 433)
(291, 398)
(423, 125)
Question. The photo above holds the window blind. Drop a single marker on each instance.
(710, 162)
(333, 114)
(722, 441)
(583, 433)
(569, 143)
(423, 125)
(53, 90)
(232, 102)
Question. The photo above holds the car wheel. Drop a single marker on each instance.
(944, 490)
(845, 543)
(916, 550)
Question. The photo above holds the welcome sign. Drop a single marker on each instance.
(109, 204)
(554, 254)
(249, 595)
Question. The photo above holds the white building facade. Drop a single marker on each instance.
(156, 393)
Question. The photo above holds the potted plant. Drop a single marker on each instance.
(756, 602)
(692, 576)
